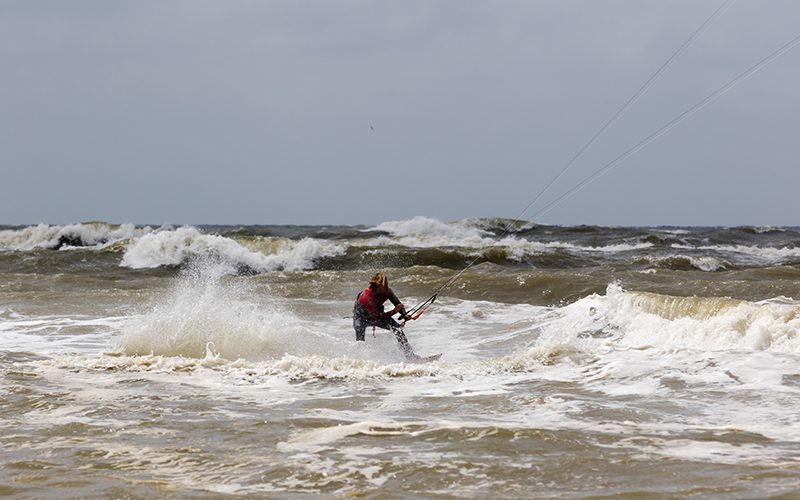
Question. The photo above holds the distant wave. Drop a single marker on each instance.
(422, 226)
(174, 248)
(762, 229)
(92, 234)
(424, 232)
(420, 241)
(688, 262)
(750, 254)
(427, 232)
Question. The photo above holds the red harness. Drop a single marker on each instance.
(372, 302)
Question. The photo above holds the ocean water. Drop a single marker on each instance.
(144, 361)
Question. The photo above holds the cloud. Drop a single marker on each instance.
(237, 112)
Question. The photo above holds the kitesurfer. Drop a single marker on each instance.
(368, 311)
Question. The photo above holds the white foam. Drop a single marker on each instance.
(768, 229)
(635, 319)
(707, 263)
(669, 231)
(202, 311)
(173, 248)
(95, 234)
(616, 248)
(752, 254)
(426, 226)
(57, 334)
(424, 232)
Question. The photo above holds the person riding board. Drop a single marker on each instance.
(368, 311)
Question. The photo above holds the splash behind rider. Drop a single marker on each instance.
(368, 311)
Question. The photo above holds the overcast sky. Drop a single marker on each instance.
(345, 112)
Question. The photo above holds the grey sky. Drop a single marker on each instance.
(260, 111)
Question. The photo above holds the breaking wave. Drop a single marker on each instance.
(762, 229)
(634, 319)
(688, 262)
(183, 245)
(751, 254)
(90, 234)
(418, 241)
(207, 320)
(424, 232)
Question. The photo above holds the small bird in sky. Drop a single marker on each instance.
(371, 127)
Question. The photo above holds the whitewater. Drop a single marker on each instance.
(577, 361)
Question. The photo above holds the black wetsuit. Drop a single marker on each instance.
(368, 311)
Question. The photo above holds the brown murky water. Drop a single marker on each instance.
(578, 362)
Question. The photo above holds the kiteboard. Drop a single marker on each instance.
(426, 359)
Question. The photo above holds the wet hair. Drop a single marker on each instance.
(379, 280)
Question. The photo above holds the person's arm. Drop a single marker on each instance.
(387, 314)
(393, 298)
(398, 306)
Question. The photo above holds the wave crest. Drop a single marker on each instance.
(426, 232)
(622, 319)
(90, 234)
(688, 262)
(175, 248)
(750, 254)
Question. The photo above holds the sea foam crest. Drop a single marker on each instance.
(92, 234)
(702, 263)
(622, 319)
(750, 254)
(173, 248)
(424, 232)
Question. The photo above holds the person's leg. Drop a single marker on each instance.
(360, 326)
(394, 327)
(404, 345)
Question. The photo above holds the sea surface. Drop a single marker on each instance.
(578, 362)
